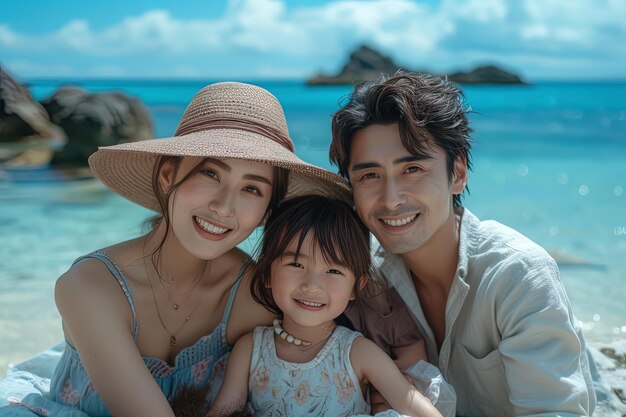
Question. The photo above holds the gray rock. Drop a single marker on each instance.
(92, 120)
(610, 360)
(27, 137)
(485, 75)
(366, 64)
(568, 260)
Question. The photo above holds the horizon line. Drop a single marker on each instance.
(160, 79)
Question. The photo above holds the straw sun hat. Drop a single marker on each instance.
(223, 120)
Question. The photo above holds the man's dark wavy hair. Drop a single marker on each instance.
(428, 110)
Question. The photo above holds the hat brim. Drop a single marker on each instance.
(127, 168)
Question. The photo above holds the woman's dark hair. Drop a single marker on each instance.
(341, 236)
(428, 110)
(279, 189)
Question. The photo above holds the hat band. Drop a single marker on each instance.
(200, 123)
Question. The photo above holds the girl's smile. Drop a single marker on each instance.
(308, 289)
(310, 305)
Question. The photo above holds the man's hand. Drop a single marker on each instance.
(377, 402)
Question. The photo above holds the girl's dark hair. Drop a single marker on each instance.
(428, 110)
(341, 236)
(279, 189)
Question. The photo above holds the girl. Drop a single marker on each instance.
(148, 320)
(384, 318)
(314, 260)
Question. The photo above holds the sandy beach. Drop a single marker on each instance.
(610, 358)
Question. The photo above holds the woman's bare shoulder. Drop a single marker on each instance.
(85, 273)
(90, 278)
(88, 293)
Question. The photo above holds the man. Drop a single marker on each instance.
(489, 302)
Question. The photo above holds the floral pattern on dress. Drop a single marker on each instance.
(158, 368)
(68, 394)
(260, 379)
(324, 386)
(325, 377)
(217, 377)
(344, 386)
(199, 370)
(302, 393)
(40, 411)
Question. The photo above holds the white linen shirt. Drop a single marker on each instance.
(511, 346)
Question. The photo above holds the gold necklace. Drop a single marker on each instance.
(156, 305)
(176, 305)
(162, 282)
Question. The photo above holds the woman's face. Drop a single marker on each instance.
(219, 206)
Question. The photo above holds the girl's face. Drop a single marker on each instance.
(218, 206)
(308, 290)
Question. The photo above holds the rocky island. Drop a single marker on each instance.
(64, 129)
(366, 64)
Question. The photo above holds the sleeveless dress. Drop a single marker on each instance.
(325, 386)
(198, 370)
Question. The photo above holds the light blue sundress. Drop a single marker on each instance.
(198, 368)
(325, 386)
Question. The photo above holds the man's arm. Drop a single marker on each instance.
(542, 355)
(406, 356)
(372, 364)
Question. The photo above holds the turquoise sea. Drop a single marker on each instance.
(549, 160)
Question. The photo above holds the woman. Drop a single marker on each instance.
(148, 321)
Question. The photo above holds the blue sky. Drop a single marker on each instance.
(274, 39)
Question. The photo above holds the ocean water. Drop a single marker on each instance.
(549, 161)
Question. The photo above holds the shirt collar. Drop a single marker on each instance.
(467, 240)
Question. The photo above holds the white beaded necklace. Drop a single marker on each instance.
(286, 336)
(296, 341)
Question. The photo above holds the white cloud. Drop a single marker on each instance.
(255, 35)
(399, 26)
(260, 25)
(576, 22)
(7, 36)
(477, 10)
(76, 35)
(153, 31)
(33, 69)
(534, 31)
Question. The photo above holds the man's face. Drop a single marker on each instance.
(403, 199)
